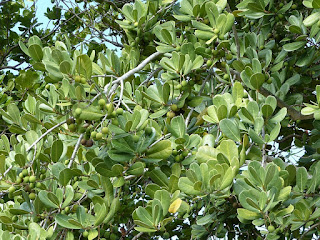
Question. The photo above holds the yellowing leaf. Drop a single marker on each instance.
(175, 205)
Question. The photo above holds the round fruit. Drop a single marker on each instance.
(85, 234)
(209, 63)
(178, 86)
(72, 127)
(31, 185)
(223, 64)
(89, 143)
(184, 83)
(83, 80)
(24, 172)
(15, 218)
(229, 56)
(271, 228)
(185, 153)
(11, 189)
(174, 107)
(269, 81)
(226, 76)
(99, 136)
(216, 31)
(93, 134)
(32, 179)
(119, 111)
(109, 107)
(21, 175)
(170, 114)
(215, 52)
(70, 121)
(19, 180)
(113, 114)
(294, 6)
(32, 196)
(78, 111)
(38, 184)
(136, 24)
(77, 78)
(135, 138)
(26, 179)
(102, 102)
(178, 158)
(148, 130)
(104, 130)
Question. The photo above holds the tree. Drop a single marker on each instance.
(202, 122)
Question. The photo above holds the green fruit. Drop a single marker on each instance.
(24, 172)
(178, 48)
(102, 102)
(229, 56)
(215, 52)
(72, 127)
(261, 47)
(174, 107)
(185, 153)
(31, 185)
(113, 114)
(105, 130)
(66, 162)
(32, 196)
(184, 83)
(113, 237)
(166, 235)
(77, 112)
(178, 86)
(136, 24)
(119, 111)
(135, 138)
(11, 189)
(19, 180)
(174, 152)
(148, 130)
(99, 136)
(93, 134)
(26, 179)
(271, 228)
(221, 37)
(109, 107)
(15, 218)
(77, 78)
(216, 30)
(85, 234)
(294, 6)
(21, 175)
(226, 76)
(269, 81)
(38, 185)
(178, 158)
(67, 209)
(32, 179)
(170, 114)
(83, 80)
(43, 170)
(209, 63)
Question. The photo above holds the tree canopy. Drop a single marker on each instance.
(190, 119)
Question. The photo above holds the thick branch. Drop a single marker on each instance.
(75, 150)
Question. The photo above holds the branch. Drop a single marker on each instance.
(137, 236)
(45, 134)
(6, 172)
(295, 115)
(73, 156)
(235, 33)
(312, 227)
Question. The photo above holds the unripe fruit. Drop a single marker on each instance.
(31, 185)
(104, 130)
(136, 24)
(174, 107)
(209, 63)
(99, 136)
(113, 114)
(11, 189)
(26, 179)
(32, 179)
(24, 172)
(148, 130)
(83, 80)
(93, 134)
(223, 64)
(38, 184)
(77, 78)
(109, 107)
(269, 81)
(21, 175)
(113, 237)
(184, 83)
(178, 86)
(174, 152)
(271, 228)
(85, 234)
(226, 76)
(216, 30)
(19, 180)
(119, 111)
(135, 138)
(170, 114)
(78, 111)
(72, 127)
(102, 102)
(229, 56)
(32, 196)
(215, 52)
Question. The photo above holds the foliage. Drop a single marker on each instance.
(136, 120)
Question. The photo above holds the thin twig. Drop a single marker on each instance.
(73, 156)
(150, 76)
(137, 236)
(6, 172)
(45, 134)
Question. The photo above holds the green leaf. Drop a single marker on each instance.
(62, 220)
(161, 150)
(143, 229)
(256, 80)
(301, 178)
(159, 177)
(137, 169)
(35, 51)
(66, 175)
(166, 36)
(230, 129)
(144, 216)
(43, 195)
(290, 47)
(177, 127)
(267, 110)
(84, 65)
(65, 67)
(186, 186)
(56, 150)
(316, 3)
(101, 215)
(164, 197)
(247, 214)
